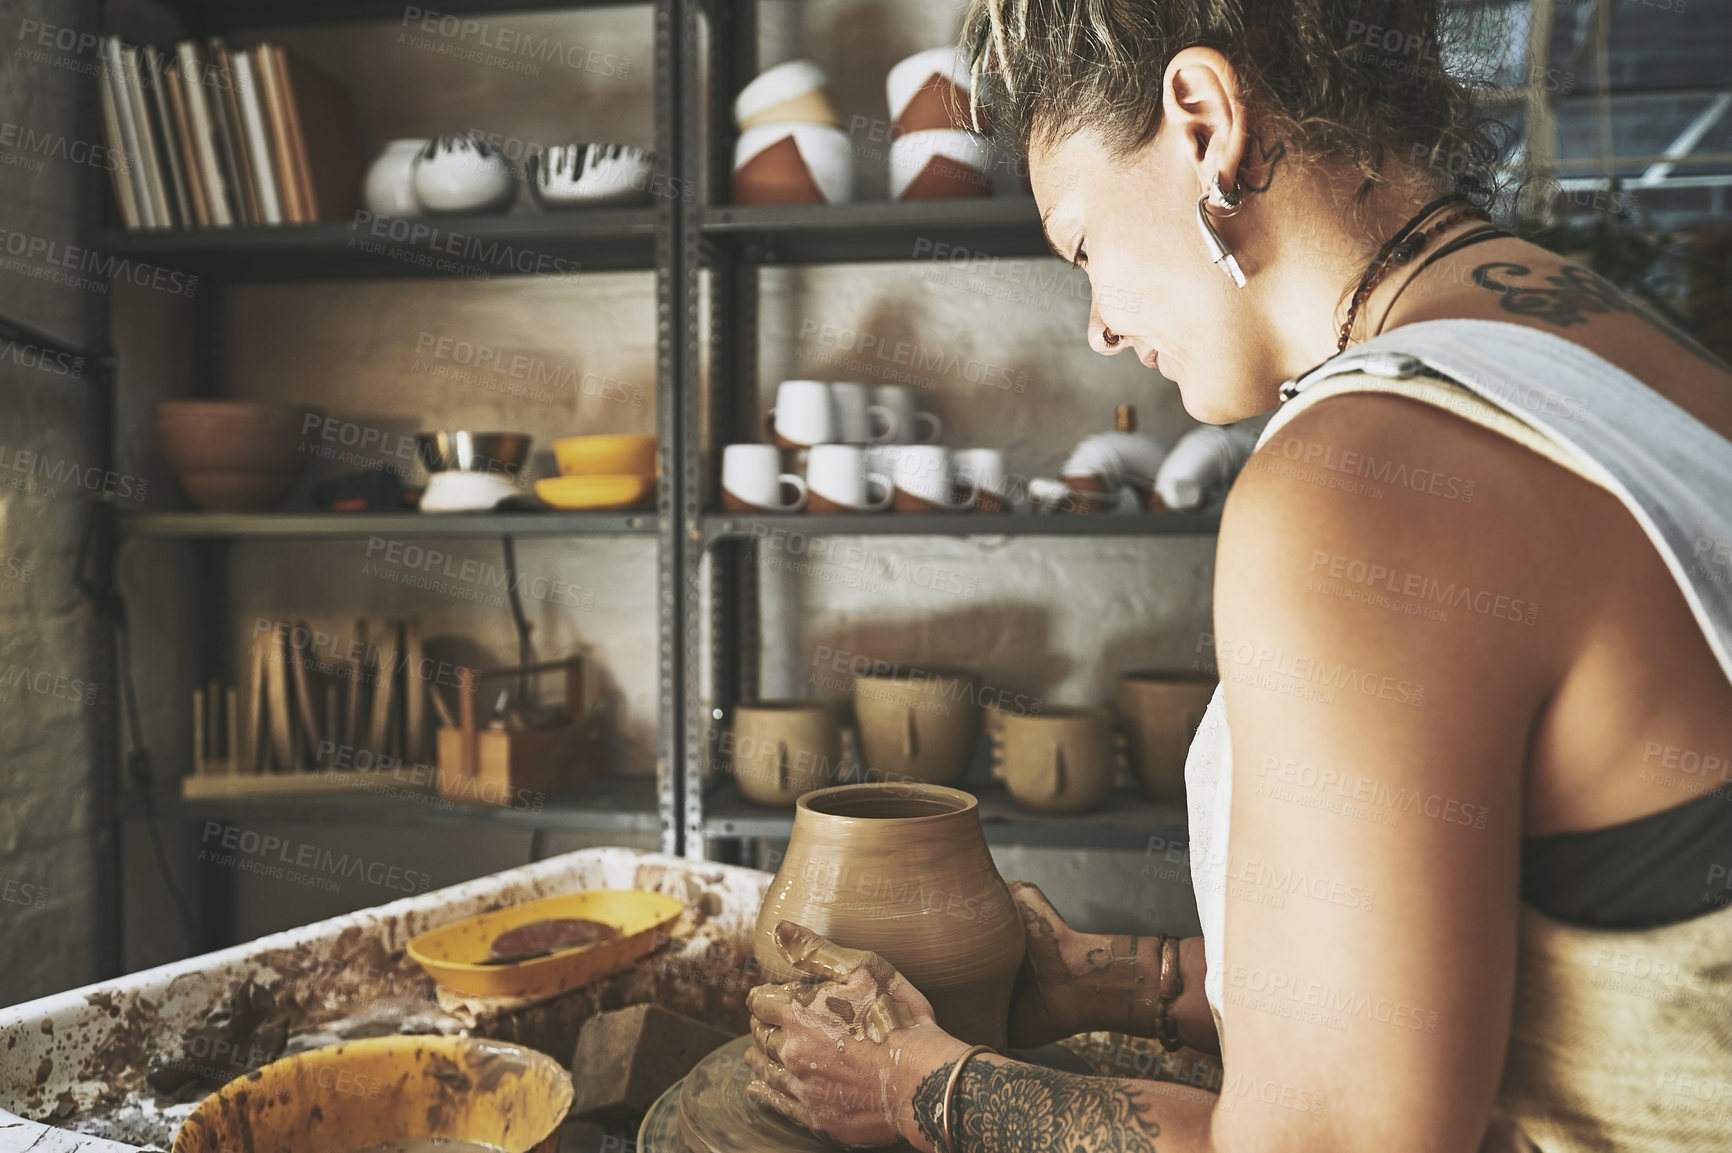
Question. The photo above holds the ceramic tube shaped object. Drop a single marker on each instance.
(903, 870)
(931, 90)
(795, 92)
(940, 164)
(793, 163)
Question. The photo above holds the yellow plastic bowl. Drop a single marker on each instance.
(612, 454)
(596, 493)
(364, 1093)
(453, 955)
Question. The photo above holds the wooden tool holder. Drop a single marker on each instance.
(292, 731)
(516, 766)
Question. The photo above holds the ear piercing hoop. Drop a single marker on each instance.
(1217, 201)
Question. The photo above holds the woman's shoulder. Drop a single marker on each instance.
(1525, 287)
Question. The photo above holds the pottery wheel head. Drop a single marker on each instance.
(717, 1116)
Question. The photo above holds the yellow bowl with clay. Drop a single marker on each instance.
(361, 1094)
(455, 955)
(611, 454)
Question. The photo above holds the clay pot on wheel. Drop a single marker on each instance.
(903, 870)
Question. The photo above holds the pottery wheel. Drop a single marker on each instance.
(660, 1131)
(716, 1116)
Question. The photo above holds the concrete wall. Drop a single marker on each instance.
(51, 689)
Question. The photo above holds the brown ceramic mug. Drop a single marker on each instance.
(1160, 712)
(784, 749)
(1057, 761)
(917, 727)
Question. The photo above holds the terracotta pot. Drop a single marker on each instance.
(1161, 712)
(1058, 761)
(917, 728)
(783, 749)
(903, 870)
(235, 455)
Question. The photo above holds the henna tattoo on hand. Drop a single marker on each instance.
(1572, 295)
(1000, 1108)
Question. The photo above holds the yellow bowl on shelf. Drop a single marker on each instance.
(361, 1094)
(456, 954)
(611, 454)
(595, 493)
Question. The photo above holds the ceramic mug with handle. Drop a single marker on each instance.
(1160, 712)
(926, 481)
(1059, 761)
(907, 424)
(983, 470)
(785, 749)
(858, 419)
(917, 726)
(804, 415)
(837, 480)
(753, 480)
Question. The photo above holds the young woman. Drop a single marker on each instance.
(1462, 867)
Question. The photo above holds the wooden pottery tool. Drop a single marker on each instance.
(384, 687)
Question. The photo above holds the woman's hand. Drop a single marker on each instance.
(842, 1056)
(1075, 982)
(1047, 1001)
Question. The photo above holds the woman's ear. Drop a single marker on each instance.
(1203, 107)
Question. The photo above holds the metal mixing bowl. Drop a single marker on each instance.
(464, 451)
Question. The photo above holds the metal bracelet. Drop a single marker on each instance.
(1172, 984)
(950, 1092)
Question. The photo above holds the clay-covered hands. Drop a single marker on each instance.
(1047, 1002)
(843, 1054)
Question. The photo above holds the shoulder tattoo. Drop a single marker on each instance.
(1571, 295)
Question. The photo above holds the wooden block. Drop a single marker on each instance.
(628, 1058)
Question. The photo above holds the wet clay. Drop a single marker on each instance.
(539, 937)
(716, 1116)
(902, 870)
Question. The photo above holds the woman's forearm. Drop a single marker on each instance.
(1116, 982)
(1003, 1106)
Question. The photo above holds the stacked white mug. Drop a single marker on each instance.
(864, 449)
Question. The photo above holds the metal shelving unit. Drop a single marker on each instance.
(614, 804)
(1124, 820)
(732, 243)
(706, 257)
(776, 528)
(340, 525)
(475, 248)
(934, 230)
(472, 247)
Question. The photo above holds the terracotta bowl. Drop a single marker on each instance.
(234, 455)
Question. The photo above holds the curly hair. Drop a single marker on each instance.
(1361, 83)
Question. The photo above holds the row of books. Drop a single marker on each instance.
(215, 138)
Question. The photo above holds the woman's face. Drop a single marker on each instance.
(1131, 224)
